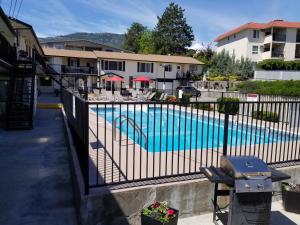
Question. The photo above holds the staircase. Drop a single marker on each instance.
(21, 100)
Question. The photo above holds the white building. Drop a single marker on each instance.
(277, 39)
(95, 64)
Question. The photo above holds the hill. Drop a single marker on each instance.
(111, 39)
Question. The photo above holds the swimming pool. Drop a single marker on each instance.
(175, 130)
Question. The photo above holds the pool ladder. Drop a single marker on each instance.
(124, 118)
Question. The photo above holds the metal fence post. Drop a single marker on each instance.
(226, 122)
(86, 147)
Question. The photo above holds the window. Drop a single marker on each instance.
(145, 67)
(113, 65)
(73, 62)
(168, 68)
(178, 67)
(193, 68)
(234, 36)
(255, 33)
(254, 49)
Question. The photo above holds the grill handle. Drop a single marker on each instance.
(255, 177)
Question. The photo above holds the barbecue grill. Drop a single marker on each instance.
(249, 181)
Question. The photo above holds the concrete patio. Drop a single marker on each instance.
(35, 175)
(279, 217)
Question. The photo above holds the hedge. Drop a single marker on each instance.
(232, 105)
(289, 88)
(186, 97)
(265, 115)
(204, 106)
(279, 64)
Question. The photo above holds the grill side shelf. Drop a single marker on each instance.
(216, 175)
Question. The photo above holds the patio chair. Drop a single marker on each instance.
(161, 97)
(165, 97)
(151, 96)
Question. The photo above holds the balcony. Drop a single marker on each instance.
(7, 52)
(279, 37)
(297, 53)
(277, 54)
(78, 70)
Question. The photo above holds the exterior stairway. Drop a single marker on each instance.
(22, 97)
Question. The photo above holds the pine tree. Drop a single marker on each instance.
(172, 34)
(133, 36)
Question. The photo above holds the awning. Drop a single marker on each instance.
(142, 79)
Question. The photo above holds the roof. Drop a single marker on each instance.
(6, 21)
(68, 39)
(69, 53)
(121, 56)
(148, 58)
(259, 26)
(19, 25)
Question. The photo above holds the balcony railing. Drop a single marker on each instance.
(279, 37)
(77, 70)
(7, 52)
(278, 54)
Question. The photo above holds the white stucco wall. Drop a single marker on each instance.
(276, 75)
(242, 44)
(290, 45)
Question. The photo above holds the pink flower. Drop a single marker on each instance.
(171, 212)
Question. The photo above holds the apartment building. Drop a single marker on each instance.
(163, 69)
(21, 63)
(7, 60)
(277, 39)
(77, 44)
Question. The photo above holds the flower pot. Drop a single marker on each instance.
(291, 200)
(147, 220)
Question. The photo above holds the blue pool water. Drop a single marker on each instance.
(167, 130)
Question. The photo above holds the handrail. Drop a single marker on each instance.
(132, 123)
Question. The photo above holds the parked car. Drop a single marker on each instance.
(189, 90)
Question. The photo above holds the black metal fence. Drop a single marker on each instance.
(121, 142)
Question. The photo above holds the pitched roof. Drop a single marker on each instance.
(121, 56)
(259, 26)
(20, 25)
(69, 39)
(148, 58)
(69, 53)
(6, 21)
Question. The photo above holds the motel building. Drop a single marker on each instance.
(277, 39)
(74, 66)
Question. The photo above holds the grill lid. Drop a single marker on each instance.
(249, 167)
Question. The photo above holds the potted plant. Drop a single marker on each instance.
(159, 213)
(291, 197)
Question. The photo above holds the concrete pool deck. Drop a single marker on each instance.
(35, 176)
(278, 217)
(111, 159)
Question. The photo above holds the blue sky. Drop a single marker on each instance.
(209, 18)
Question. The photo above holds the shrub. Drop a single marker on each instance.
(171, 98)
(232, 105)
(204, 106)
(285, 88)
(265, 115)
(158, 94)
(186, 97)
(279, 64)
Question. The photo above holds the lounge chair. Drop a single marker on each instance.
(165, 97)
(151, 96)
